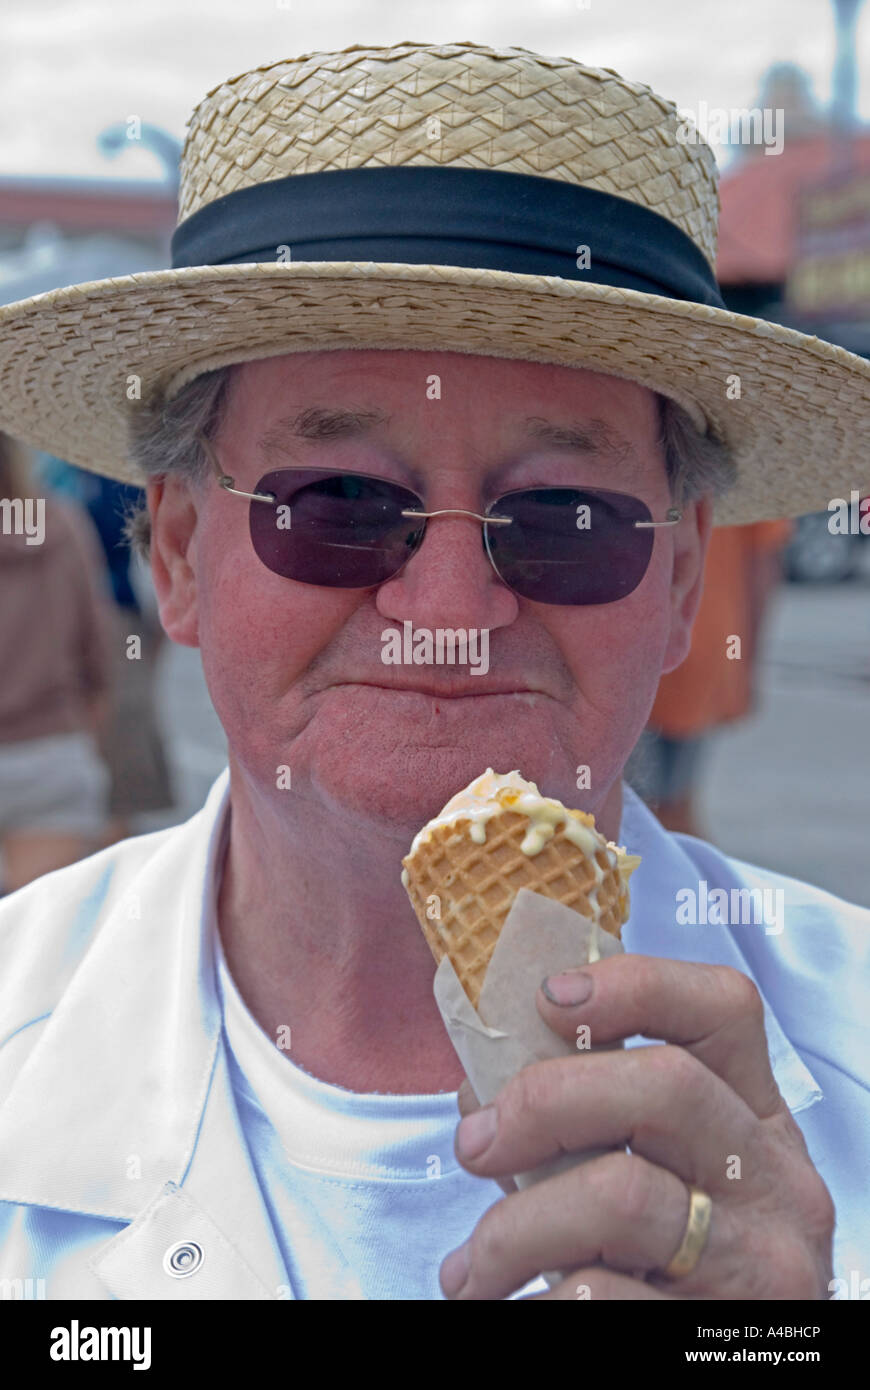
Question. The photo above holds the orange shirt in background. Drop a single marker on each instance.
(709, 688)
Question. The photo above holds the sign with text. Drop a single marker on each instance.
(830, 274)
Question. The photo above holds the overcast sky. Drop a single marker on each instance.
(70, 68)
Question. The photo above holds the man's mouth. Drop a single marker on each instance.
(454, 691)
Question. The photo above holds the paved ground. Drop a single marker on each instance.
(789, 788)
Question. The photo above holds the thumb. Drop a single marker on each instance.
(466, 1099)
(468, 1103)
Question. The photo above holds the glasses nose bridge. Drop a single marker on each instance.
(426, 517)
(458, 511)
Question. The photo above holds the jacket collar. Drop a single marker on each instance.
(125, 1064)
(670, 864)
(129, 1081)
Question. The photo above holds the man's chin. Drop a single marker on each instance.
(402, 774)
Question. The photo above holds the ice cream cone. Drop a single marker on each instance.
(497, 836)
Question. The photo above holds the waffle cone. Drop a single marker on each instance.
(474, 886)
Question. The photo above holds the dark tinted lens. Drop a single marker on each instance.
(343, 530)
(571, 546)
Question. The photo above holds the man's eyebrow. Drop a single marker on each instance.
(320, 422)
(580, 436)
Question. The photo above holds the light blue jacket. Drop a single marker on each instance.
(120, 1146)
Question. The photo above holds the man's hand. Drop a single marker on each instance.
(702, 1109)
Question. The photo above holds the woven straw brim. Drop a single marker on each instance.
(796, 430)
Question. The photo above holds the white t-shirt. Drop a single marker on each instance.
(364, 1191)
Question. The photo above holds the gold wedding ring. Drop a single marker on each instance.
(695, 1238)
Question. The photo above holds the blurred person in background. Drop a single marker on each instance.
(131, 744)
(55, 655)
(715, 683)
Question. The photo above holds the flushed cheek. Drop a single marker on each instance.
(636, 673)
(258, 637)
(614, 653)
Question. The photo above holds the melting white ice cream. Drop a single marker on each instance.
(492, 793)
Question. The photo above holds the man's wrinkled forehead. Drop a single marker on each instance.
(300, 402)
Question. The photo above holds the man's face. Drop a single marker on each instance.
(295, 671)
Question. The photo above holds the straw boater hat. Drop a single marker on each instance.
(438, 197)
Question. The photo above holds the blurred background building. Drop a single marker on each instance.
(56, 231)
(794, 247)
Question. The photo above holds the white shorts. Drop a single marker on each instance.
(57, 785)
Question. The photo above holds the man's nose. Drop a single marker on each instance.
(449, 581)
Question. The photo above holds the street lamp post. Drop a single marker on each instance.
(844, 94)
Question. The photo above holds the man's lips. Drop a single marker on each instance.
(455, 691)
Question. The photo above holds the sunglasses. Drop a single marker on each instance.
(560, 545)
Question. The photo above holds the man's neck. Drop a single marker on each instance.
(320, 937)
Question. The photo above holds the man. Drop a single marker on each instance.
(225, 1074)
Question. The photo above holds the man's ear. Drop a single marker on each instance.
(173, 545)
(691, 538)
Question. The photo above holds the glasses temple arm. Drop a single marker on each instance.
(224, 479)
(673, 516)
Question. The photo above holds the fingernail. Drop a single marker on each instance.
(454, 1270)
(476, 1132)
(571, 987)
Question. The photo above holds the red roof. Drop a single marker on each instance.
(759, 206)
(79, 205)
